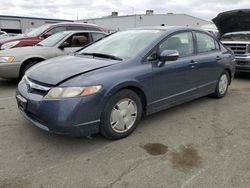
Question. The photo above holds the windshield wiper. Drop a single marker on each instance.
(103, 56)
(39, 44)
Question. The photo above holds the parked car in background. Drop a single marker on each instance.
(234, 27)
(15, 62)
(38, 34)
(107, 86)
(9, 35)
(2, 33)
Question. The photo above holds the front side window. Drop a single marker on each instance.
(78, 40)
(53, 40)
(181, 42)
(205, 43)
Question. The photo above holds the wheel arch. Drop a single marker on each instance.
(29, 60)
(133, 86)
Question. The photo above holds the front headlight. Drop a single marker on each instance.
(9, 45)
(6, 59)
(68, 92)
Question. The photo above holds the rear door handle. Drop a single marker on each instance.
(192, 62)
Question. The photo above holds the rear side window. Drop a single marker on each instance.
(182, 42)
(206, 43)
(97, 36)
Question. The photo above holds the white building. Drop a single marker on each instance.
(18, 24)
(115, 22)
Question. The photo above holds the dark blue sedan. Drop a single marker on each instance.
(108, 86)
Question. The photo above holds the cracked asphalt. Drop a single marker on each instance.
(204, 143)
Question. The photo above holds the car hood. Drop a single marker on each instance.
(233, 21)
(57, 70)
(10, 39)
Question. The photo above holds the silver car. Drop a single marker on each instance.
(15, 62)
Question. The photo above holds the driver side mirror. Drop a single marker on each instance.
(65, 44)
(168, 55)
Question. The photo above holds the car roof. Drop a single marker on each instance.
(82, 31)
(169, 28)
(73, 24)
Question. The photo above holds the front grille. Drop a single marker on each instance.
(238, 49)
(33, 87)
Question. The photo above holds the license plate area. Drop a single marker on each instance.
(21, 102)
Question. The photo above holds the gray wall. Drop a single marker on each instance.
(126, 22)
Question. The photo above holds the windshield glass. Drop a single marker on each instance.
(125, 44)
(53, 40)
(236, 37)
(37, 31)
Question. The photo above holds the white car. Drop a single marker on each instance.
(16, 61)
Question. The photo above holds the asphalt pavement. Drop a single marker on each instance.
(204, 143)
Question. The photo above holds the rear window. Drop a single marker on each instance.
(206, 43)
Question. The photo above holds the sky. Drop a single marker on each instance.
(84, 9)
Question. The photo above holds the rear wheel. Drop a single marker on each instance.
(121, 115)
(222, 85)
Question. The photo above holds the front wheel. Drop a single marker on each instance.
(121, 115)
(222, 85)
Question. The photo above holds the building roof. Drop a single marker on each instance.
(26, 17)
(132, 15)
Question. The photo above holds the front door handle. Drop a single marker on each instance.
(218, 58)
(193, 63)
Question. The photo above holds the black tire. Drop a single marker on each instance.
(26, 67)
(106, 127)
(217, 94)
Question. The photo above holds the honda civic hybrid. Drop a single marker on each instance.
(108, 86)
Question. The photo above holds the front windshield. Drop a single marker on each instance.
(236, 37)
(53, 40)
(37, 31)
(125, 44)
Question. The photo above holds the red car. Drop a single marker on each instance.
(38, 34)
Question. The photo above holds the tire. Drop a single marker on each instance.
(121, 115)
(222, 85)
(26, 67)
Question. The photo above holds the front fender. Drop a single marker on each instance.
(126, 84)
(122, 85)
